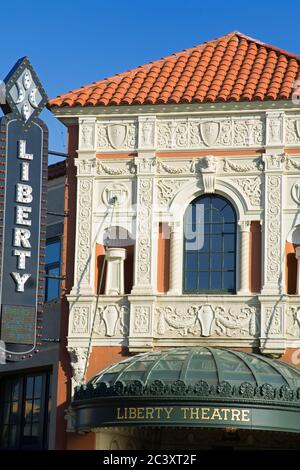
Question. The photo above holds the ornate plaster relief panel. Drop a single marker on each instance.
(194, 320)
(174, 133)
(292, 130)
(113, 192)
(106, 320)
(207, 318)
(292, 323)
(269, 128)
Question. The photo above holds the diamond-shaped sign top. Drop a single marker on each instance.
(25, 95)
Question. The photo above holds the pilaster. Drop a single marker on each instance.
(244, 257)
(145, 247)
(176, 258)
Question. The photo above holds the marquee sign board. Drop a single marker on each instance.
(23, 186)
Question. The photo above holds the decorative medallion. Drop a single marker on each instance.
(115, 194)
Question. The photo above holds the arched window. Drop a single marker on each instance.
(210, 246)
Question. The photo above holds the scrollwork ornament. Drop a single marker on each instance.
(251, 186)
(84, 228)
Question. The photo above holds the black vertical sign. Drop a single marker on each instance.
(23, 186)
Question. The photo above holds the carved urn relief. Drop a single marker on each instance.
(205, 316)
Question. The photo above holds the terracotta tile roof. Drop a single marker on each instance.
(230, 68)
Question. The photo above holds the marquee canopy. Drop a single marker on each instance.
(201, 386)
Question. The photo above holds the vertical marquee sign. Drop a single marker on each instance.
(23, 186)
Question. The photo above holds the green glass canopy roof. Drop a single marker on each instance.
(197, 386)
(193, 364)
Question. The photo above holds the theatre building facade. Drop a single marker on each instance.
(181, 252)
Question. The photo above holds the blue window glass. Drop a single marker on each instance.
(52, 268)
(210, 264)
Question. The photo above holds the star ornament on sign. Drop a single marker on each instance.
(25, 96)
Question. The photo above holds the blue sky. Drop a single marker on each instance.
(73, 43)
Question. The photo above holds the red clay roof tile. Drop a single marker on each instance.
(234, 67)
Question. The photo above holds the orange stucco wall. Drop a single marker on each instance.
(104, 356)
(99, 260)
(163, 259)
(255, 257)
(128, 268)
(292, 356)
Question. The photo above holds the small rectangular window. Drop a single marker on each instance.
(53, 269)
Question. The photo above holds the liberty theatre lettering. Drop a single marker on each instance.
(21, 235)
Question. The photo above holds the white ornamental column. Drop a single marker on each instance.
(85, 163)
(114, 284)
(176, 257)
(273, 269)
(297, 255)
(244, 256)
(273, 303)
(142, 298)
(145, 273)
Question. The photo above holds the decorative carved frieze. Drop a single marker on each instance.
(255, 165)
(273, 321)
(141, 319)
(274, 162)
(273, 229)
(274, 129)
(206, 320)
(86, 141)
(112, 320)
(292, 131)
(117, 136)
(145, 165)
(144, 228)
(78, 358)
(167, 189)
(251, 187)
(166, 134)
(80, 319)
(83, 248)
(104, 169)
(293, 322)
(291, 164)
(163, 167)
(203, 133)
(147, 133)
(85, 166)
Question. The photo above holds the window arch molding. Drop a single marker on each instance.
(222, 188)
(177, 210)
